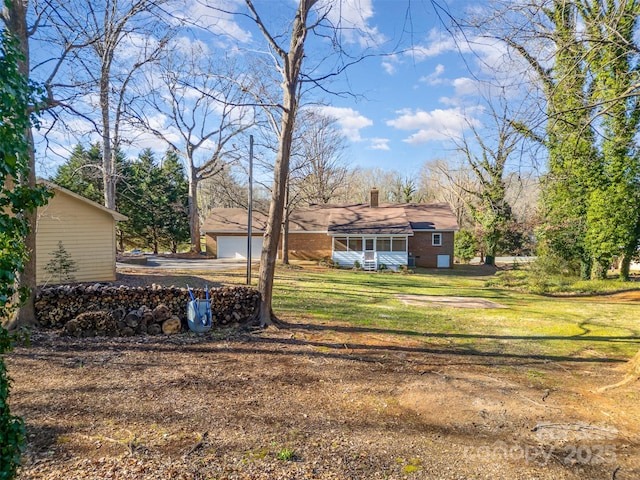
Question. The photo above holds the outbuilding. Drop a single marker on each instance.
(86, 231)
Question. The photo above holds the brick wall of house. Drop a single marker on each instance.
(425, 253)
(309, 246)
(211, 244)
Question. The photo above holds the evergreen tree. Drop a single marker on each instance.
(465, 245)
(177, 194)
(156, 202)
(82, 173)
(61, 266)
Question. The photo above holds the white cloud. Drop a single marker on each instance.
(436, 125)
(379, 144)
(434, 78)
(489, 55)
(212, 16)
(389, 68)
(436, 44)
(353, 17)
(465, 86)
(349, 119)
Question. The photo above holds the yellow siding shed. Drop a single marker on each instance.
(87, 232)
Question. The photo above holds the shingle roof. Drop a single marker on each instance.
(352, 219)
(364, 220)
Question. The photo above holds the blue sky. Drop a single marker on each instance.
(412, 102)
(416, 91)
(405, 105)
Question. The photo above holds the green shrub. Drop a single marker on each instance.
(465, 246)
(12, 430)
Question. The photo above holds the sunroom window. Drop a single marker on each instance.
(383, 244)
(340, 244)
(398, 244)
(355, 244)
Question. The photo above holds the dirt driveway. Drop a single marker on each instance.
(316, 400)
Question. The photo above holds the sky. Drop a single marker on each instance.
(416, 91)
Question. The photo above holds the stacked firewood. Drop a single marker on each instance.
(87, 310)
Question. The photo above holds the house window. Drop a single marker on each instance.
(340, 244)
(383, 244)
(355, 244)
(436, 240)
(398, 244)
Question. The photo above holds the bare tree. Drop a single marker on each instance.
(286, 50)
(360, 181)
(205, 114)
(487, 155)
(450, 182)
(103, 45)
(320, 167)
(317, 174)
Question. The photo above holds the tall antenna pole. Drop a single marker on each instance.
(250, 210)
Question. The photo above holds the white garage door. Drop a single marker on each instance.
(236, 247)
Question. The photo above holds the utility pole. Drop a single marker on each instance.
(250, 210)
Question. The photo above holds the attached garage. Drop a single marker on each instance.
(236, 247)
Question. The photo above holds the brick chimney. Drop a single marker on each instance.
(373, 197)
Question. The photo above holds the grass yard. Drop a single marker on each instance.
(372, 375)
(556, 327)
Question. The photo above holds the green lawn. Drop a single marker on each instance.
(530, 325)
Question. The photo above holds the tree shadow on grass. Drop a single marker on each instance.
(290, 345)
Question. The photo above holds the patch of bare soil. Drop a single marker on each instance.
(630, 296)
(313, 400)
(448, 301)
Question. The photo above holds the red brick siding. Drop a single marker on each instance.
(211, 244)
(309, 246)
(425, 253)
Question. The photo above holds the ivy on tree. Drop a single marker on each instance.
(16, 199)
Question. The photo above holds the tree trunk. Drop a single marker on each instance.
(625, 268)
(194, 212)
(16, 23)
(276, 210)
(285, 229)
(108, 173)
(26, 315)
(291, 77)
(285, 240)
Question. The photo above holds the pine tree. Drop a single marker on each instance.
(61, 266)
